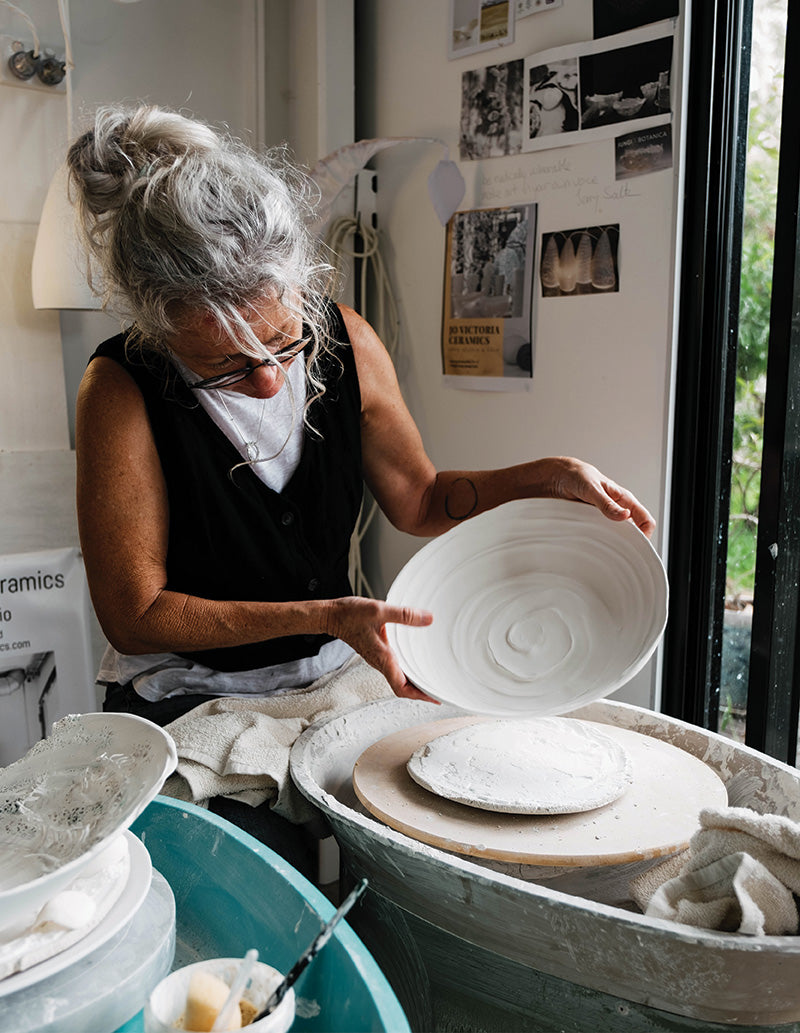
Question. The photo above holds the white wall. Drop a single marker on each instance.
(32, 403)
(603, 365)
(196, 54)
(199, 56)
(271, 70)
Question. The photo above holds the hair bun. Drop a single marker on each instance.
(124, 149)
(176, 214)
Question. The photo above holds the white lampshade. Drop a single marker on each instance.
(58, 272)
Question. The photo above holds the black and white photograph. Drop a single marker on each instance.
(477, 25)
(487, 295)
(613, 16)
(638, 153)
(491, 111)
(552, 105)
(579, 262)
(574, 94)
(626, 83)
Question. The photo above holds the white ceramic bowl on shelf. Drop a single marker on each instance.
(67, 799)
(539, 605)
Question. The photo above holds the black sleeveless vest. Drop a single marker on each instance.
(238, 539)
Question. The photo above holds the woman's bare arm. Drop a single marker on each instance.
(123, 519)
(423, 501)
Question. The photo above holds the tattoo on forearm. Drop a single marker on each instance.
(469, 503)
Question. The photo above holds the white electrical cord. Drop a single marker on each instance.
(385, 321)
(63, 15)
(385, 324)
(31, 26)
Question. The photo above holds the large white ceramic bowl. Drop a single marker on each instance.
(539, 606)
(68, 797)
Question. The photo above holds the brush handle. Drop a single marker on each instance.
(311, 952)
(235, 992)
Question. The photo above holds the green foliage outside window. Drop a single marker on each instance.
(758, 231)
(751, 381)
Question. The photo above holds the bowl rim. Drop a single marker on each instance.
(582, 515)
(65, 870)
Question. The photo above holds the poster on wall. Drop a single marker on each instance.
(477, 25)
(45, 651)
(580, 261)
(491, 111)
(488, 307)
(585, 92)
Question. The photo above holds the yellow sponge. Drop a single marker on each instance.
(207, 994)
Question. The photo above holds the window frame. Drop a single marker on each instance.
(773, 703)
(716, 144)
(706, 365)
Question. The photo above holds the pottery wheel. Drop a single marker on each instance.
(656, 815)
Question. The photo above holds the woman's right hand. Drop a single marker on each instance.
(361, 623)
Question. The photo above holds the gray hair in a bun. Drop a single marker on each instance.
(179, 216)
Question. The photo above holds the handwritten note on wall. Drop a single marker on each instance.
(586, 190)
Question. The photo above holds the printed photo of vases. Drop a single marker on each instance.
(577, 262)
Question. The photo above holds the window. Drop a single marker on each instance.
(761, 162)
(732, 638)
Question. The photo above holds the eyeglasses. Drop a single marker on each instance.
(235, 375)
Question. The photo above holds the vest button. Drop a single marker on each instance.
(287, 518)
(313, 584)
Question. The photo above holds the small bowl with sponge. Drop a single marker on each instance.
(191, 999)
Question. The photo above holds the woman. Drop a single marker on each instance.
(222, 441)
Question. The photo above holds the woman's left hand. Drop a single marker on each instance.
(578, 481)
(361, 623)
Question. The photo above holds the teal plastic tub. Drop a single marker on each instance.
(233, 893)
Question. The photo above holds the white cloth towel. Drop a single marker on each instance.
(239, 747)
(738, 875)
